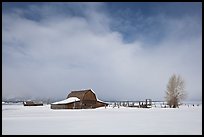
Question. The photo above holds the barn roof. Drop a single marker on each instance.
(80, 93)
(68, 100)
(32, 101)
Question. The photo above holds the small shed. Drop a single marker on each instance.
(32, 103)
(81, 99)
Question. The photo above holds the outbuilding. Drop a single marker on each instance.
(32, 103)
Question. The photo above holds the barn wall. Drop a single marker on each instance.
(66, 106)
(33, 104)
(100, 104)
(89, 100)
(89, 96)
(78, 105)
(88, 104)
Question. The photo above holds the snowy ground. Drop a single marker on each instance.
(38, 120)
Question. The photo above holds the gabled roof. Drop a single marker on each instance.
(80, 93)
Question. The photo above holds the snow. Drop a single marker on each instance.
(99, 100)
(68, 100)
(41, 120)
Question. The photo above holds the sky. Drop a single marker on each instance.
(123, 51)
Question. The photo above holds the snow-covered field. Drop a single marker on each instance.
(37, 120)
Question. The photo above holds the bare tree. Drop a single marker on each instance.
(175, 91)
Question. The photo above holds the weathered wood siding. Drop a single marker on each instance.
(74, 105)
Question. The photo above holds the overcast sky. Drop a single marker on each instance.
(123, 51)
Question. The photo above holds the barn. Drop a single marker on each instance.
(81, 99)
(32, 103)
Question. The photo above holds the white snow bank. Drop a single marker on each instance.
(68, 100)
(17, 119)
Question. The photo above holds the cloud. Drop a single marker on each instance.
(51, 56)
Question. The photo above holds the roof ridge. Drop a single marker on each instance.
(83, 90)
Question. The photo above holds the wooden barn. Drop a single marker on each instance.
(32, 103)
(82, 99)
